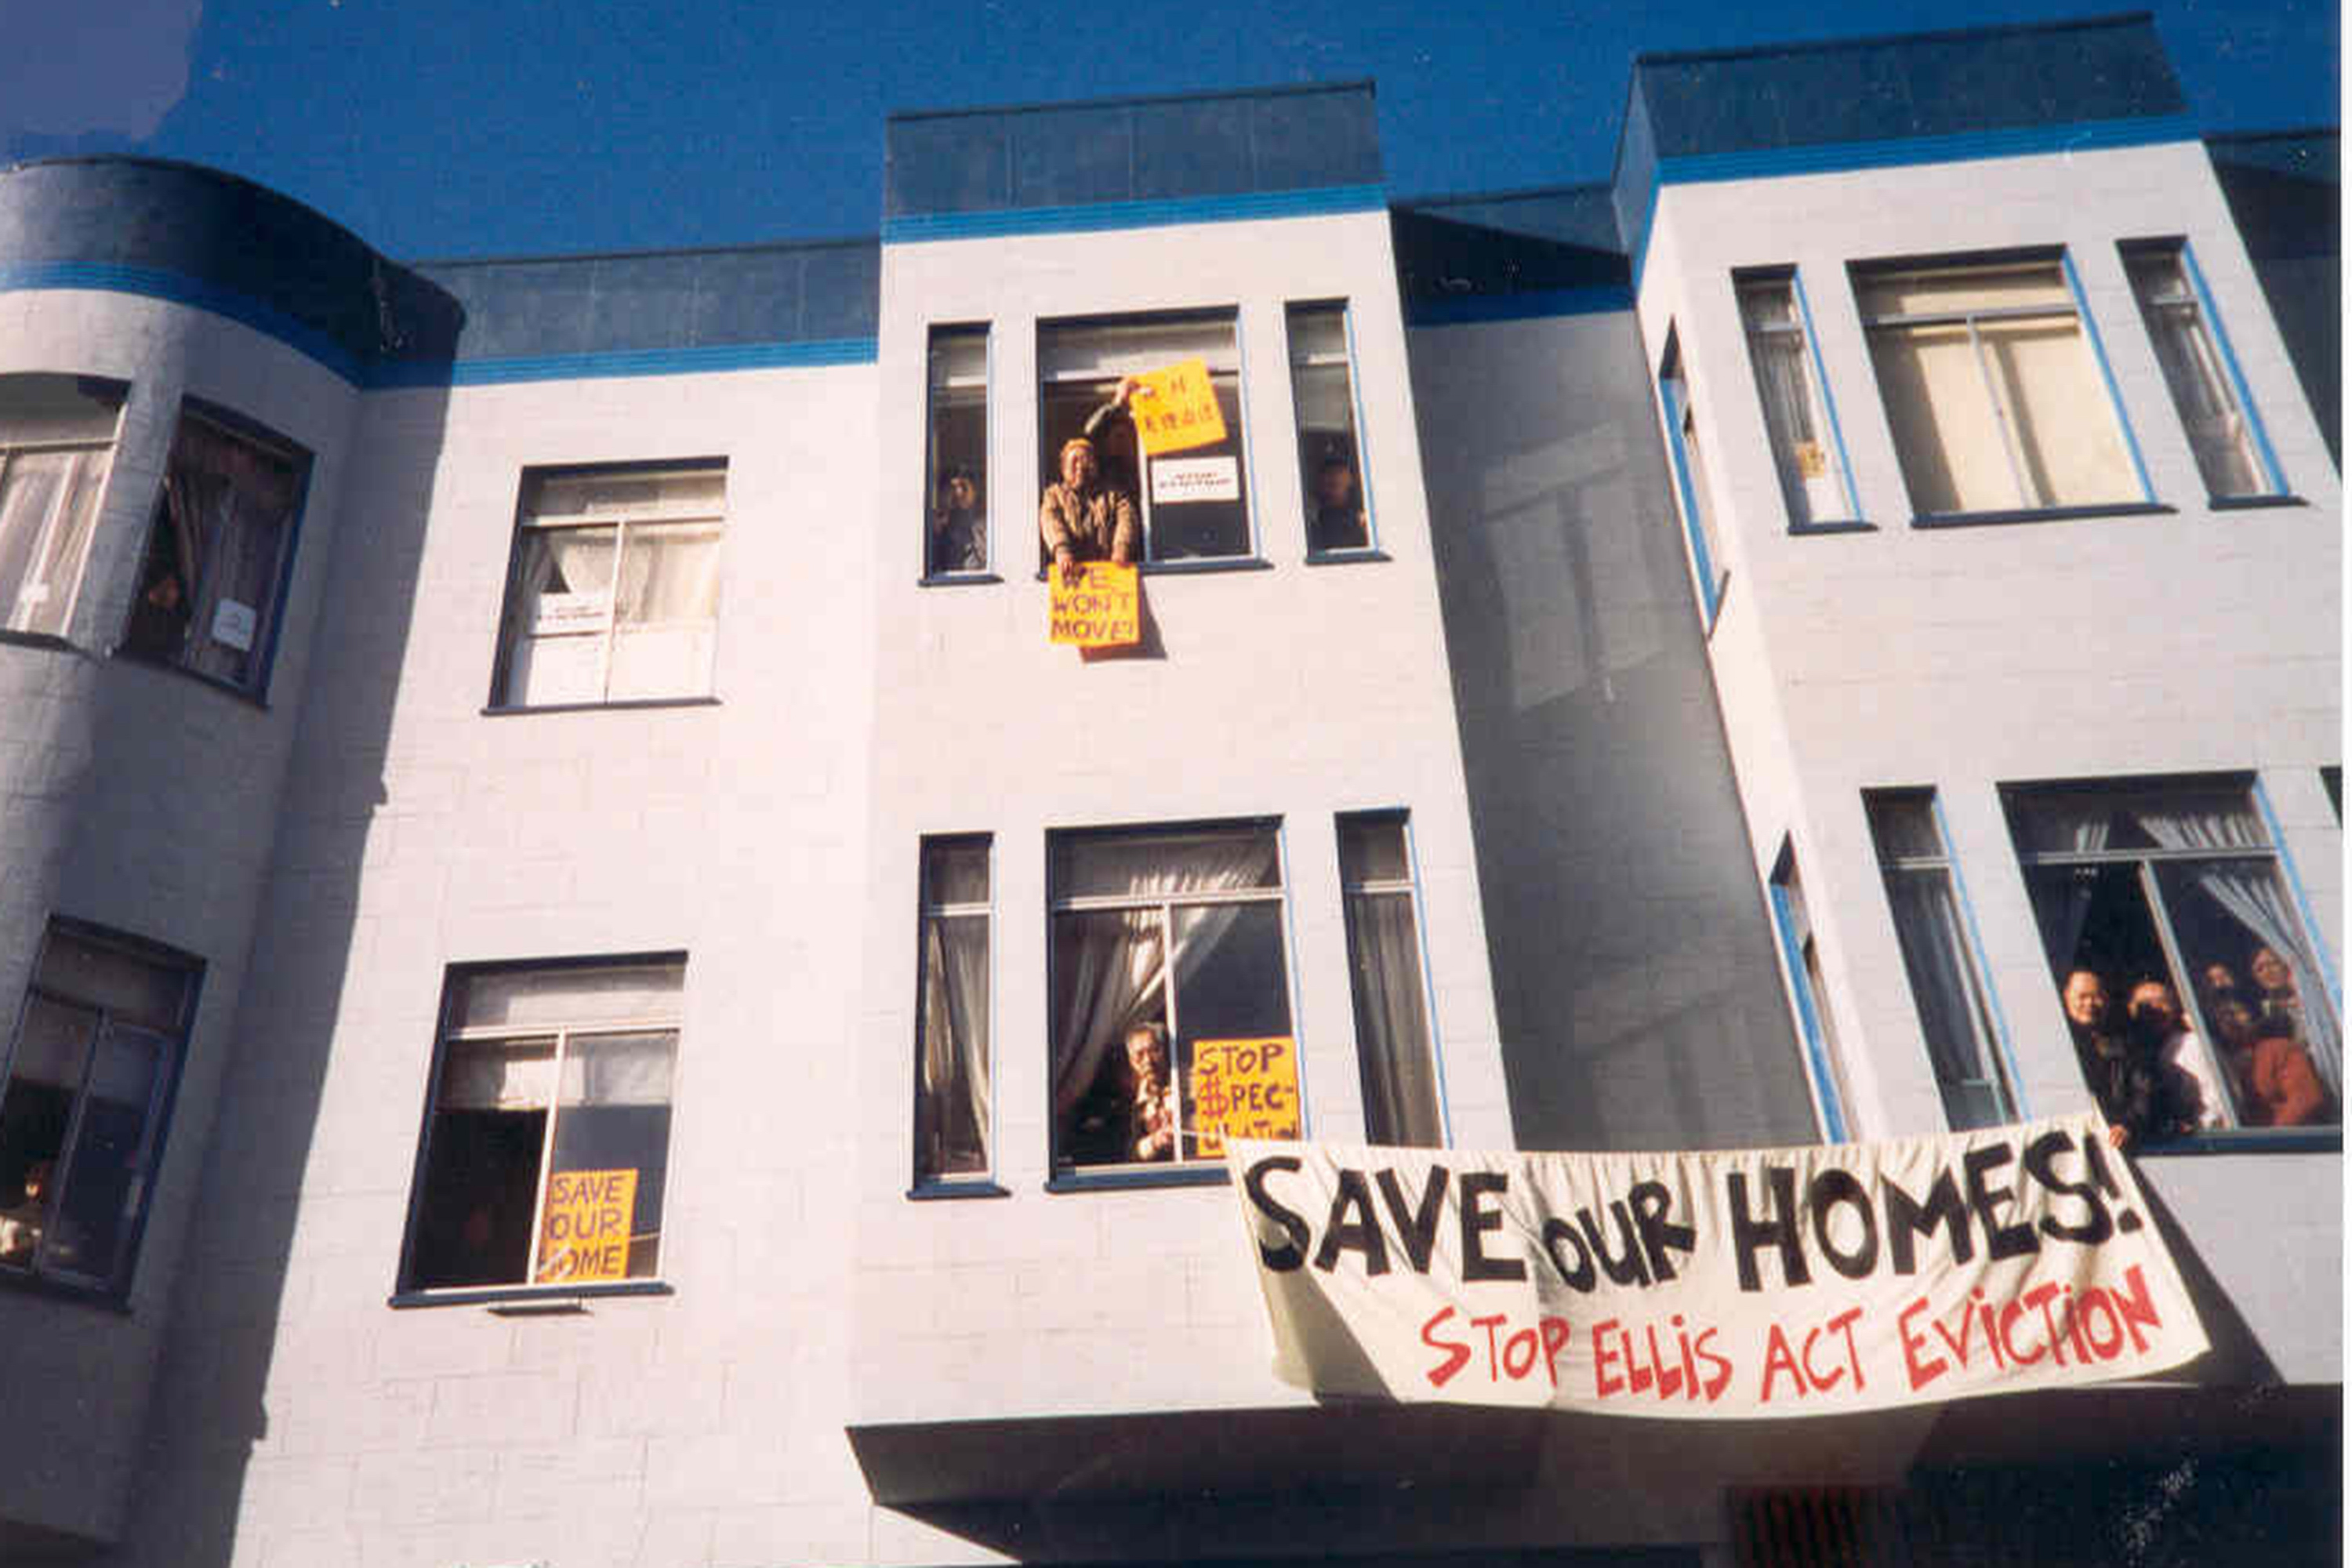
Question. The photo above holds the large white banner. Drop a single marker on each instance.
(1756, 1282)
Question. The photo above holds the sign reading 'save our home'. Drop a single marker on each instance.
(1765, 1282)
(586, 1233)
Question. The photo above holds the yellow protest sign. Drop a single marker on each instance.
(1175, 408)
(584, 1229)
(1242, 1088)
(1104, 608)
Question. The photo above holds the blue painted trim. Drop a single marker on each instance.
(2019, 1110)
(1709, 593)
(1832, 157)
(1817, 1059)
(178, 289)
(1538, 305)
(624, 362)
(2302, 900)
(1829, 403)
(1091, 217)
(2237, 378)
(2107, 373)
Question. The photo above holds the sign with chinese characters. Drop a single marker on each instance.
(1175, 410)
(234, 624)
(1176, 480)
(1242, 1088)
(1104, 608)
(1759, 1282)
(584, 1229)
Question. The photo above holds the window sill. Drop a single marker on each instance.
(1711, 609)
(182, 672)
(49, 640)
(98, 1296)
(631, 705)
(1192, 566)
(2250, 1140)
(958, 580)
(1121, 1178)
(1348, 557)
(934, 1192)
(2040, 514)
(1848, 525)
(2253, 503)
(548, 1297)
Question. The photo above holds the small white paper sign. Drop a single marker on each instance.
(1177, 480)
(568, 613)
(232, 624)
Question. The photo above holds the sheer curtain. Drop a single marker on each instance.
(48, 504)
(1114, 963)
(1951, 1012)
(228, 506)
(955, 1071)
(2249, 892)
(558, 653)
(1399, 1078)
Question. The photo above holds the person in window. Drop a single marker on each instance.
(2191, 1099)
(958, 524)
(159, 621)
(2123, 1078)
(20, 1227)
(2277, 1085)
(1080, 517)
(2282, 1005)
(1151, 1098)
(1336, 513)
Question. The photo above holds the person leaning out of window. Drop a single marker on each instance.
(1081, 517)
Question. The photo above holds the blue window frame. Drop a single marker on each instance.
(1692, 487)
(2208, 392)
(1801, 955)
(1808, 448)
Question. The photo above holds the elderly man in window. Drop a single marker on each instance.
(1081, 518)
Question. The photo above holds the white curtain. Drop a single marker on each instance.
(1399, 1077)
(666, 612)
(48, 504)
(2249, 892)
(1951, 1013)
(1114, 967)
(229, 506)
(955, 1064)
(561, 610)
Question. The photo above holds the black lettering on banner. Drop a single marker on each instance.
(1652, 1203)
(2039, 1157)
(1292, 1253)
(1907, 1217)
(1417, 1228)
(1580, 1278)
(2000, 1240)
(1476, 1219)
(1749, 1237)
(2127, 1220)
(1362, 1234)
(1626, 1267)
(1828, 1189)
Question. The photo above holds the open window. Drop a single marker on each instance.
(955, 525)
(547, 1126)
(1193, 504)
(213, 581)
(56, 445)
(89, 1074)
(1174, 936)
(613, 593)
(1330, 458)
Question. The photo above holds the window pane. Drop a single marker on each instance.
(2240, 942)
(562, 603)
(2063, 423)
(524, 999)
(1399, 1078)
(1940, 290)
(951, 1096)
(1218, 524)
(1229, 984)
(1330, 465)
(1793, 411)
(1953, 1016)
(2219, 434)
(103, 1178)
(1157, 865)
(45, 409)
(955, 873)
(209, 587)
(613, 1118)
(135, 990)
(1108, 978)
(1904, 827)
(52, 1057)
(1371, 849)
(49, 506)
(957, 528)
(1946, 427)
(666, 620)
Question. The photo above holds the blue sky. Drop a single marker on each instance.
(441, 128)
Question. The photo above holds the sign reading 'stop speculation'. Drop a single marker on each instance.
(1764, 1282)
(1243, 1089)
(1175, 410)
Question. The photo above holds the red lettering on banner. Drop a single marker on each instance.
(1457, 1354)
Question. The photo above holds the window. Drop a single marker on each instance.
(1691, 476)
(1939, 956)
(218, 554)
(1195, 504)
(90, 1075)
(614, 595)
(2179, 885)
(1994, 394)
(955, 536)
(1797, 411)
(1392, 1044)
(1330, 459)
(57, 443)
(2198, 370)
(1807, 988)
(1178, 930)
(952, 1063)
(547, 1132)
